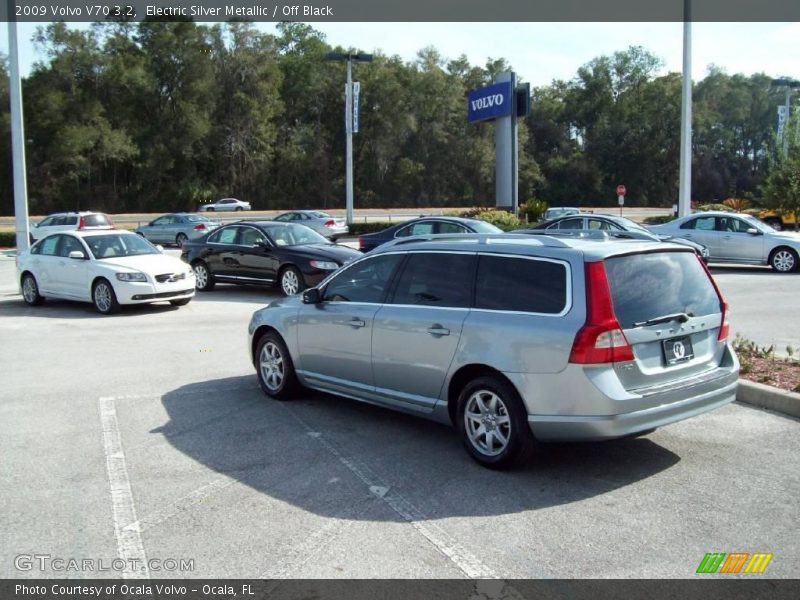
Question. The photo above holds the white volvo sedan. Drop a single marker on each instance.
(107, 268)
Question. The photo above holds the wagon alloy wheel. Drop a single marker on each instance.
(274, 366)
(493, 423)
(271, 365)
(291, 282)
(784, 260)
(487, 422)
(30, 291)
(105, 301)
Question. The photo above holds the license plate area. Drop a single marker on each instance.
(677, 350)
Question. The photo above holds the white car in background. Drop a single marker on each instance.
(225, 204)
(70, 221)
(107, 268)
(737, 238)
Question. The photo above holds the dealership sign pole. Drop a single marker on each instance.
(502, 102)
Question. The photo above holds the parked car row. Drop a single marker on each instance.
(289, 253)
(515, 339)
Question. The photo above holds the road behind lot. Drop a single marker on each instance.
(161, 406)
(763, 304)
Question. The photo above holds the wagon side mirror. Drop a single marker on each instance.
(312, 296)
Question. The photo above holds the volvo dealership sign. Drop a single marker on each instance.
(490, 102)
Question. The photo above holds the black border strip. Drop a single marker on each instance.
(405, 10)
(706, 587)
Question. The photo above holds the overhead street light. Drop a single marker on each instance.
(349, 57)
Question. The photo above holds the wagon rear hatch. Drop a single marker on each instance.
(671, 315)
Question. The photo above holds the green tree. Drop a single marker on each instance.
(782, 185)
(244, 130)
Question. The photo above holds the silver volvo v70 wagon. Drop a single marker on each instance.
(513, 340)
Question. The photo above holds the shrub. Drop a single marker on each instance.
(738, 204)
(500, 218)
(475, 212)
(707, 207)
(533, 209)
(8, 239)
(658, 219)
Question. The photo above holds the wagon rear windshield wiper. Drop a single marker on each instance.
(680, 317)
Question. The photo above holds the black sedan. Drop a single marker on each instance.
(291, 256)
(425, 226)
(617, 226)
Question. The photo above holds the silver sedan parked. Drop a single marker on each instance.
(737, 238)
(176, 228)
(321, 222)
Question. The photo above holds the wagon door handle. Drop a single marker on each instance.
(355, 322)
(438, 330)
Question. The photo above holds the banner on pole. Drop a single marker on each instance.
(356, 94)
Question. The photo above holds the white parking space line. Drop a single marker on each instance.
(293, 560)
(465, 561)
(180, 505)
(129, 541)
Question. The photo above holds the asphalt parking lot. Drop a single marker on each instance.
(144, 436)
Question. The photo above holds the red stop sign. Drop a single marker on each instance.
(621, 190)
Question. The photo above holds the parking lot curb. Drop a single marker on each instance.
(766, 396)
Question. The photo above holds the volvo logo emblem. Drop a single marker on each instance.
(678, 350)
(487, 101)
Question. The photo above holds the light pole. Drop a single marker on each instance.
(789, 85)
(685, 178)
(18, 142)
(348, 119)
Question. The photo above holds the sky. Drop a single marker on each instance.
(541, 52)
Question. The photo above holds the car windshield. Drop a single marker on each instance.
(318, 215)
(197, 219)
(115, 245)
(484, 227)
(758, 224)
(631, 225)
(555, 213)
(96, 220)
(294, 235)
